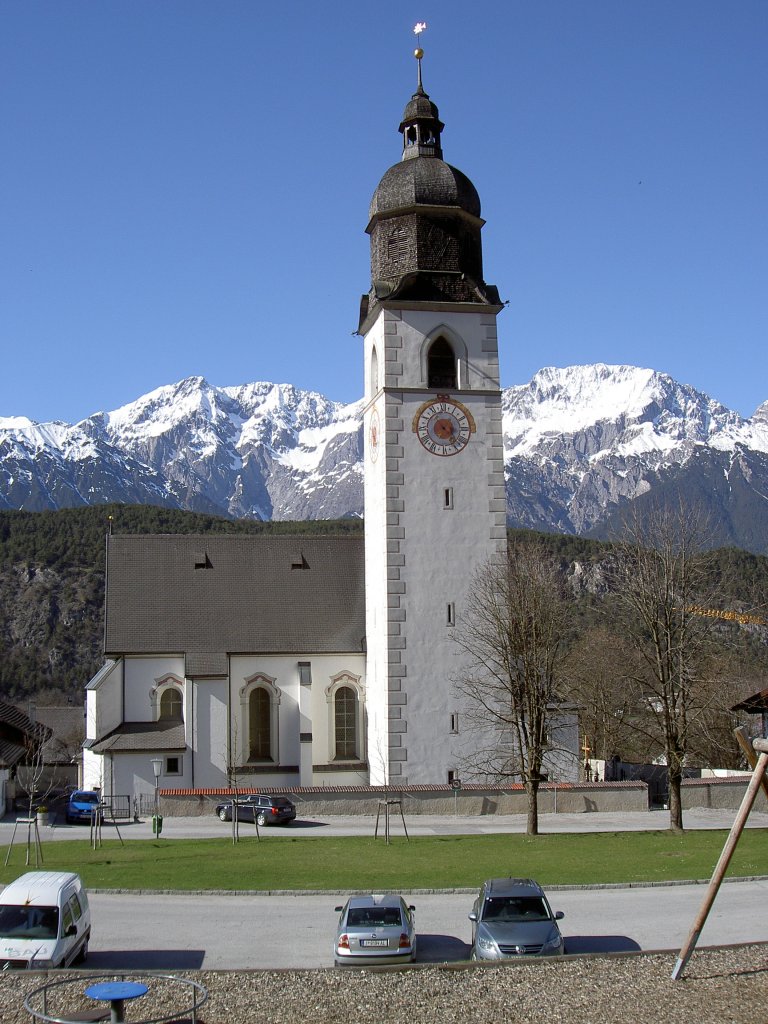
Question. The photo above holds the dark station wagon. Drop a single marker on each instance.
(258, 807)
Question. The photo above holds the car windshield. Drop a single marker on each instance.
(281, 801)
(373, 917)
(515, 908)
(28, 922)
(84, 798)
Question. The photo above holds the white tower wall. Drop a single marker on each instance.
(431, 521)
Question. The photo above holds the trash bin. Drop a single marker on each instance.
(157, 824)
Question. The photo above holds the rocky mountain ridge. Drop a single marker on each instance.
(580, 443)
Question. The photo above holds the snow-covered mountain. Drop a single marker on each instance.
(580, 443)
(264, 451)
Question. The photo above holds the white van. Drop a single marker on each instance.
(45, 921)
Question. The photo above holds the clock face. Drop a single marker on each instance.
(374, 434)
(443, 426)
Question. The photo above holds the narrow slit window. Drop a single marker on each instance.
(454, 721)
(450, 614)
(447, 497)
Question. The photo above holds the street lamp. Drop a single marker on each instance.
(157, 768)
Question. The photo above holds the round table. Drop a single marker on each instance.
(115, 993)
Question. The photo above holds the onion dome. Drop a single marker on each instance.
(424, 221)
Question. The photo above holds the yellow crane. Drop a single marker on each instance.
(743, 618)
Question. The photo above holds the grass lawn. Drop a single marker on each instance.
(425, 862)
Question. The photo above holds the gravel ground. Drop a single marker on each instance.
(719, 986)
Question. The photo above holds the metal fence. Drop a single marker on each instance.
(116, 806)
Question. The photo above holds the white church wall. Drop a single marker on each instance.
(142, 674)
(329, 671)
(208, 732)
(104, 700)
(134, 775)
(282, 672)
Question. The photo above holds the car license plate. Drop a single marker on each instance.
(374, 942)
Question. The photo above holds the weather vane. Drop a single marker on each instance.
(418, 53)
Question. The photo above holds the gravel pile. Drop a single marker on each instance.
(719, 986)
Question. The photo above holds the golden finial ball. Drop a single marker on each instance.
(418, 53)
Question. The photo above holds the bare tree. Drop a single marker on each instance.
(598, 667)
(662, 572)
(514, 634)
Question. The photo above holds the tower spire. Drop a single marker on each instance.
(418, 53)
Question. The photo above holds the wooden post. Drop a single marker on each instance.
(749, 753)
(722, 865)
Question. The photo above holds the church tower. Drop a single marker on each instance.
(435, 506)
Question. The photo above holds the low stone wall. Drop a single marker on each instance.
(563, 798)
(720, 793)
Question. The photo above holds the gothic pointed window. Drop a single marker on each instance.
(259, 725)
(441, 365)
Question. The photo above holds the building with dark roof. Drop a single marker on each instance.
(331, 660)
(222, 651)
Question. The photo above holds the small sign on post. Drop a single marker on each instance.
(455, 786)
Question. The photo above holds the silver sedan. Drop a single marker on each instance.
(375, 929)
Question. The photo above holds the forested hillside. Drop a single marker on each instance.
(52, 586)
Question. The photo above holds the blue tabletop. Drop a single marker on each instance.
(109, 990)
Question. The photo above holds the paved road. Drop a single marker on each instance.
(206, 931)
(241, 932)
(208, 826)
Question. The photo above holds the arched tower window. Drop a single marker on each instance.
(441, 365)
(259, 725)
(345, 724)
(171, 705)
(374, 371)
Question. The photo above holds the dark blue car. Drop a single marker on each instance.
(81, 804)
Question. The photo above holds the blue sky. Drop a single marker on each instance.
(185, 185)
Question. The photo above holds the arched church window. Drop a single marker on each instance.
(259, 725)
(374, 371)
(345, 723)
(171, 705)
(441, 365)
(410, 136)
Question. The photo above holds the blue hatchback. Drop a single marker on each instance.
(81, 805)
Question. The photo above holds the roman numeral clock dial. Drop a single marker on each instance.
(443, 426)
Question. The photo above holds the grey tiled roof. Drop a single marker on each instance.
(16, 730)
(67, 731)
(143, 736)
(208, 596)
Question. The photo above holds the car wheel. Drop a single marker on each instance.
(223, 815)
(261, 818)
